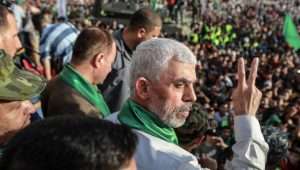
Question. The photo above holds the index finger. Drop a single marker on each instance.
(253, 72)
(241, 73)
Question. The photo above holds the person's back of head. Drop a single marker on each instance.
(94, 53)
(143, 25)
(144, 18)
(89, 43)
(75, 143)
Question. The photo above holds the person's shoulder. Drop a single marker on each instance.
(56, 83)
(117, 35)
(160, 145)
(49, 26)
(59, 99)
(60, 91)
(59, 27)
(69, 25)
(113, 118)
(157, 153)
(55, 88)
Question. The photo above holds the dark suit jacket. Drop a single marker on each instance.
(60, 99)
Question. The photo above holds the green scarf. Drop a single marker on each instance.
(137, 117)
(86, 89)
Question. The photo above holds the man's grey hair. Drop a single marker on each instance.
(151, 57)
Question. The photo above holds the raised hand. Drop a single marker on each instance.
(246, 97)
(208, 162)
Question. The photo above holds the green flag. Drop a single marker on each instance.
(153, 4)
(290, 32)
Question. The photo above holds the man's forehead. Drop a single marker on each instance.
(7, 105)
(175, 63)
(177, 70)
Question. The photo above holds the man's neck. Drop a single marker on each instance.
(143, 103)
(129, 41)
(139, 101)
(84, 72)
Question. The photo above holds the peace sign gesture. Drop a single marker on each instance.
(246, 97)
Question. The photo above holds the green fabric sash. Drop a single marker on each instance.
(137, 117)
(86, 89)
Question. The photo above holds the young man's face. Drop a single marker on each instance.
(9, 40)
(172, 96)
(14, 116)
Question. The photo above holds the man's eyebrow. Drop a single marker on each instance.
(184, 80)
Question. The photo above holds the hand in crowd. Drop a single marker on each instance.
(219, 142)
(246, 97)
(194, 144)
(208, 162)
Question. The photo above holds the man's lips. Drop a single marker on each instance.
(184, 114)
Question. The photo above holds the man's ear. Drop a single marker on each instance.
(142, 88)
(141, 32)
(98, 60)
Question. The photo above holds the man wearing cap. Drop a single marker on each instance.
(16, 86)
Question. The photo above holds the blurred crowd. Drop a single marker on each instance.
(257, 31)
(219, 33)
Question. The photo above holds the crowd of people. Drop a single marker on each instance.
(76, 53)
(258, 32)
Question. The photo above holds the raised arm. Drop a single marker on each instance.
(250, 150)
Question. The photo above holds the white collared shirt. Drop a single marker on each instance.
(250, 149)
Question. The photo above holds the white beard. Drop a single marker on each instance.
(167, 112)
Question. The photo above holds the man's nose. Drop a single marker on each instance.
(28, 107)
(189, 94)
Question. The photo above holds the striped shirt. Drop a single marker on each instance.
(57, 41)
